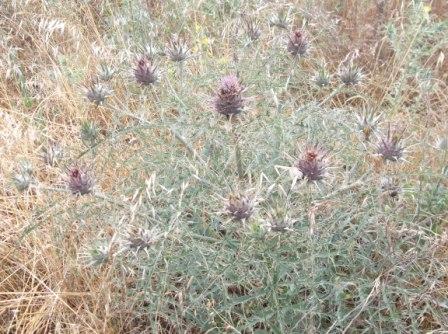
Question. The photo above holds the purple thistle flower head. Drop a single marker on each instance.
(145, 73)
(80, 180)
(229, 100)
(313, 163)
(389, 147)
(240, 207)
(298, 43)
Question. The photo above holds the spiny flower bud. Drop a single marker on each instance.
(390, 186)
(389, 146)
(24, 178)
(298, 43)
(280, 20)
(151, 51)
(313, 163)
(322, 78)
(367, 123)
(350, 75)
(97, 93)
(145, 73)
(278, 220)
(240, 207)
(177, 50)
(140, 239)
(89, 133)
(105, 72)
(52, 154)
(80, 180)
(229, 100)
(99, 255)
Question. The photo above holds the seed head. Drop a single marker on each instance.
(313, 163)
(145, 73)
(240, 207)
(229, 100)
(389, 146)
(177, 50)
(298, 44)
(350, 75)
(97, 93)
(80, 180)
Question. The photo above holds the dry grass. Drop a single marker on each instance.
(352, 259)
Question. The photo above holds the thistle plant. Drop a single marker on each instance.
(322, 78)
(389, 146)
(89, 133)
(105, 72)
(313, 163)
(177, 50)
(390, 187)
(298, 44)
(229, 98)
(80, 180)
(97, 93)
(140, 239)
(150, 51)
(350, 75)
(280, 20)
(146, 72)
(367, 123)
(98, 256)
(52, 153)
(240, 207)
(278, 220)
